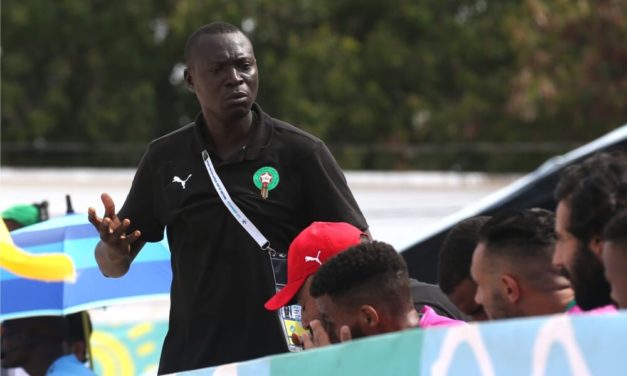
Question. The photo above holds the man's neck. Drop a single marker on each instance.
(410, 320)
(550, 302)
(228, 137)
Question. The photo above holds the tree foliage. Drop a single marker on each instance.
(353, 72)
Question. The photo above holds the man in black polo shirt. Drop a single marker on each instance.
(280, 177)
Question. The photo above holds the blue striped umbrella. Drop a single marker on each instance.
(150, 274)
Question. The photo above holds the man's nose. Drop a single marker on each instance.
(558, 258)
(478, 298)
(234, 76)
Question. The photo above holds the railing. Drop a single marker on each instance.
(551, 345)
(479, 156)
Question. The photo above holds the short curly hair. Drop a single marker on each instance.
(520, 233)
(456, 253)
(616, 229)
(214, 28)
(595, 190)
(368, 273)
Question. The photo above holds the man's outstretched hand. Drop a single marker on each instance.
(116, 249)
(111, 229)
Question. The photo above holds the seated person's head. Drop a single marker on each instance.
(32, 343)
(21, 215)
(454, 266)
(310, 249)
(513, 268)
(365, 288)
(615, 257)
(588, 196)
(77, 340)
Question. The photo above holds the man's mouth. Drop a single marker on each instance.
(564, 273)
(237, 95)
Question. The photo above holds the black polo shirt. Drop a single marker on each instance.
(221, 279)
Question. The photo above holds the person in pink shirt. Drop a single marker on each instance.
(365, 291)
(429, 318)
(314, 246)
(311, 248)
(513, 269)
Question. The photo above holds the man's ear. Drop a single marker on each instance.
(189, 81)
(596, 245)
(368, 318)
(511, 288)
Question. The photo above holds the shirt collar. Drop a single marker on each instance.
(259, 139)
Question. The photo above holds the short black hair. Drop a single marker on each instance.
(76, 326)
(456, 253)
(213, 28)
(520, 236)
(595, 190)
(367, 273)
(76, 332)
(616, 229)
(41, 329)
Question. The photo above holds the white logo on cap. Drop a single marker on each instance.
(316, 259)
(176, 179)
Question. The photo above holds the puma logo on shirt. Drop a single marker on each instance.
(176, 179)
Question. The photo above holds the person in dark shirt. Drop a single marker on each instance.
(455, 258)
(615, 256)
(274, 176)
(588, 195)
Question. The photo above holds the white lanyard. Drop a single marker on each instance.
(284, 321)
(250, 227)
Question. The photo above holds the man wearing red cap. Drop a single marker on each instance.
(365, 291)
(310, 249)
(313, 247)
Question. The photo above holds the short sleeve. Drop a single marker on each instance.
(327, 194)
(140, 205)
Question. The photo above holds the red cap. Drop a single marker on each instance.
(310, 249)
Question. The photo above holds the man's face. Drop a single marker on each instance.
(308, 304)
(334, 316)
(463, 296)
(584, 269)
(223, 73)
(615, 261)
(488, 286)
(566, 244)
(15, 344)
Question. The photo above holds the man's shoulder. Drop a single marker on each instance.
(184, 132)
(68, 365)
(289, 131)
(426, 294)
(174, 139)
